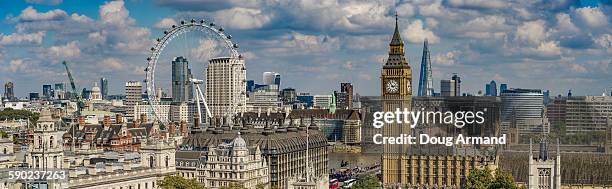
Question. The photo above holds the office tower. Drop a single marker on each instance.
(341, 100)
(59, 90)
(546, 97)
(9, 91)
(288, 96)
(502, 87)
(523, 108)
(321, 101)
(396, 92)
(104, 87)
(34, 96)
(250, 85)
(271, 78)
(447, 87)
(544, 170)
(306, 99)
(226, 86)
(587, 113)
(491, 89)
(264, 100)
(347, 88)
(182, 87)
(47, 91)
(425, 78)
(133, 96)
(457, 82)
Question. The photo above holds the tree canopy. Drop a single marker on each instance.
(484, 179)
(178, 182)
(366, 182)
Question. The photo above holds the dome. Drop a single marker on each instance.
(238, 141)
(95, 88)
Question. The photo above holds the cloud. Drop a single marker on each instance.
(45, 2)
(69, 50)
(446, 59)
(416, 33)
(565, 24)
(22, 38)
(532, 32)
(206, 50)
(111, 64)
(115, 13)
(477, 4)
(30, 14)
(165, 23)
(592, 16)
(243, 18)
(550, 48)
(605, 41)
(296, 43)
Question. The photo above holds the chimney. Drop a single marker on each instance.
(184, 128)
(106, 122)
(119, 118)
(172, 129)
(81, 121)
(136, 123)
(143, 118)
(196, 123)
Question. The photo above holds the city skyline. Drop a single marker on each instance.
(565, 46)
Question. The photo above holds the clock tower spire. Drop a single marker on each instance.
(396, 92)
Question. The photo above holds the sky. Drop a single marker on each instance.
(554, 45)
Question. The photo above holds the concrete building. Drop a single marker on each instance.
(225, 164)
(160, 112)
(587, 113)
(9, 91)
(264, 100)
(544, 170)
(46, 149)
(346, 88)
(226, 86)
(133, 96)
(321, 101)
(447, 87)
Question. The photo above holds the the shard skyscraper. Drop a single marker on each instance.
(425, 78)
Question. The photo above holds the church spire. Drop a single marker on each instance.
(397, 39)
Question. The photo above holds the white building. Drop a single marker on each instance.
(225, 164)
(544, 170)
(96, 93)
(133, 96)
(159, 112)
(321, 101)
(226, 86)
(264, 101)
(47, 151)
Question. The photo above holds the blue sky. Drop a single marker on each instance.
(556, 45)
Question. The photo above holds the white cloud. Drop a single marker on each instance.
(592, 16)
(578, 68)
(297, 43)
(206, 50)
(45, 2)
(447, 58)
(22, 38)
(112, 64)
(604, 41)
(30, 14)
(405, 10)
(243, 18)
(115, 13)
(416, 33)
(489, 4)
(565, 24)
(550, 48)
(165, 23)
(532, 32)
(69, 50)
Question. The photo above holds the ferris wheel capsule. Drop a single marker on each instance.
(201, 21)
(166, 32)
(212, 24)
(182, 22)
(235, 45)
(229, 36)
(173, 26)
(192, 20)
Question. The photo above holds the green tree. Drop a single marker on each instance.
(366, 182)
(178, 182)
(484, 179)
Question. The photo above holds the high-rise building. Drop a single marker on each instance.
(277, 80)
(226, 86)
(347, 88)
(447, 87)
(34, 96)
(425, 78)
(396, 92)
(271, 78)
(182, 87)
(491, 89)
(9, 91)
(321, 101)
(60, 91)
(250, 85)
(502, 87)
(104, 87)
(587, 113)
(47, 91)
(524, 109)
(288, 96)
(133, 96)
(457, 80)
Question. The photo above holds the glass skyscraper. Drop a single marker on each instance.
(425, 78)
(104, 87)
(182, 88)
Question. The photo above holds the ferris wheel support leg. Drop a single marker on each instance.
(204, 102)
(198, 106)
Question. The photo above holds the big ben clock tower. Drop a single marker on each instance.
(396, 91)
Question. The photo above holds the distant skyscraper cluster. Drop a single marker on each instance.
(451, 87)
(9, 91)
(491, 89)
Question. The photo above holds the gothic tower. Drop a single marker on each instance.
(396, 91)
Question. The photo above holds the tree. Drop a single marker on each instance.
(178, 182)
(366, 182)
(484, 179)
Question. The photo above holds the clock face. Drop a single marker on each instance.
(392, 86)
(408, 87)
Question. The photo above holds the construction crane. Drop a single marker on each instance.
(80, 103)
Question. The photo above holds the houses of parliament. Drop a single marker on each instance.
(423, 166)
